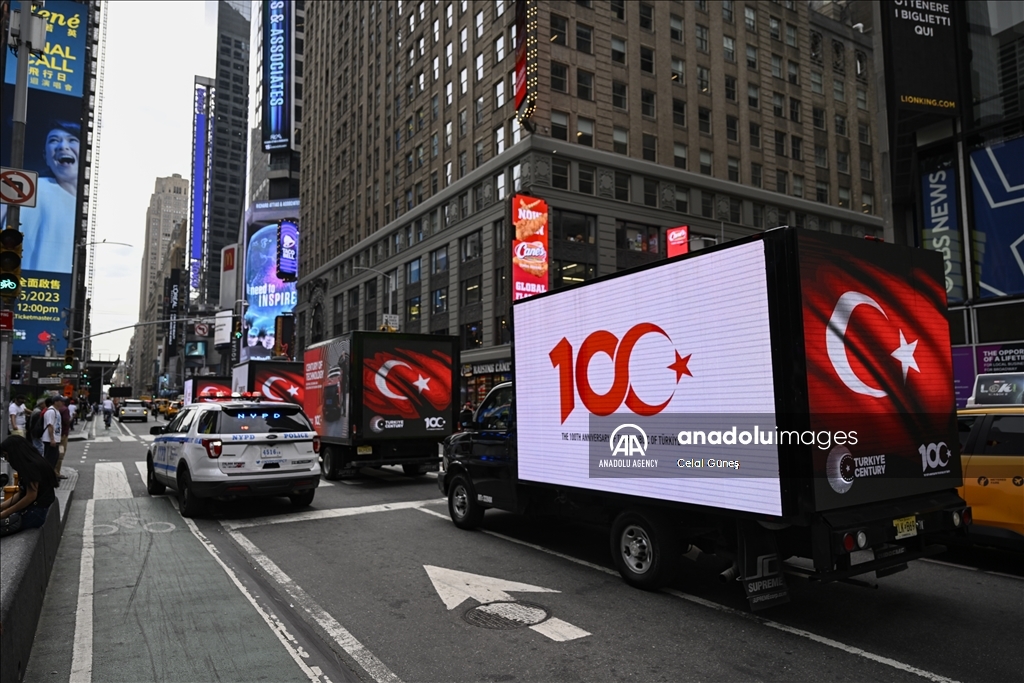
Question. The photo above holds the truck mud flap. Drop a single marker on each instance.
(760, 567)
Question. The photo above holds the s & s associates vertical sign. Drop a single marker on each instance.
(919, 40)
(277, 74)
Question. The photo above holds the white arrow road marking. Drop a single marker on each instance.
(454, 587)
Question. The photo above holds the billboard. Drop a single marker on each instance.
(529, 246)
(267, 295)
(277, 74)
(326, 399)
(919, 42)
(206, 388)
(879, 364)
(287, 251)
(941, 231)
(228, 276)
(997, 173)
(222, 328)
(635, 360)
(527, 61)
(174, 292)
(53, 148)
(678, 240)
(202, 163)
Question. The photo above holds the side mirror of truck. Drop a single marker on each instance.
(159, 429)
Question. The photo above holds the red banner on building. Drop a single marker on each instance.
(678, 240)
(529, 247)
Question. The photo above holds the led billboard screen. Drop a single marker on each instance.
(202, 160)
(638, 356)
(277, 74)
(997, 175)
(529, 246)
(266, 293)
(53, 146)
(288, 251)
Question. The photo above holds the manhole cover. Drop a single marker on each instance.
(506, 615)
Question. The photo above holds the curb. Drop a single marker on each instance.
(27, 560)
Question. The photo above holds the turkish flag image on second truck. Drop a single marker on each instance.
(879, 365)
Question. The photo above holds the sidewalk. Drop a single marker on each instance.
(80, 432)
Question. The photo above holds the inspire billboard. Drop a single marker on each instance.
(53, 148)
(267, 294)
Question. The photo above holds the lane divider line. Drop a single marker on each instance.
(326, 514)
(272, 621)
(349, 643)
(81, 653)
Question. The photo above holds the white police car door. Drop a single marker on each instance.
(175, 441)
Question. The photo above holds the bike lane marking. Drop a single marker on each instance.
(111, 482)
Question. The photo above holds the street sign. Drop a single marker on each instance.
(202, 330)
(18, 187)
(391, 320)
(6, 321)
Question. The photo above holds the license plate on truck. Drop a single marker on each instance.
(364, 450)
(905, 527)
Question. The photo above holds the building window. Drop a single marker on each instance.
(412, 272)
(559, 125)
(678, 112)
(821, 156)
(776, 66)
(780, 143)
(636, 237)
(439, 300)
(862, 99)
(727, 11)
(499, 140)
(867, 203)
(647, 103)
(412, 309)
(622, 186)
(704, 120)
(821, 192)
(844, 197)
(841, 125)
(619, 97)
(678, 71)
(732, 131)
(469, 246)
(838, 90)
(705, 162)
(650, 192)
(756, 173)
(439, 260)
(757, 215)
(703, 80)
(798, 185)
(864, 133)
(753, 97)
(650, 147)
(584, 84)
(676, 28)
(750, 18)
(618, 50)
(735, 210)
(755, 135)
(774, 28)
(842, 162)
(585, 179)
(729, 48)
(585, 132)
(559, 77)
(647, 60)
(778, 104)
(791, 35)
(679, 155)
(469, 291)
(781, 181)
(751, 57)
(559, 29)
(620, 141)
(818, 115)
(796, 151)
(646, 16)
(707, 204)
(572, 273)
(702, 38)
(619, 9)
(865, 169)
(794, 110)
(817, 86)
(584, 38)
(733, 166)
(730, 88)
(682, 199)
(560, 174)
(472, 335)
(499, 94)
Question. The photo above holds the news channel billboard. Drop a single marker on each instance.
(997, 175)
(202, 161)
(53, 148)
(277, 74)
(266, 294)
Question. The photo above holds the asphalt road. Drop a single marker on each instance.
(374, 583)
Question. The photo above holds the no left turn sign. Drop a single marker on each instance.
(18, 187)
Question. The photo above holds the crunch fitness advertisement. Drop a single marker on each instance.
(878, 365)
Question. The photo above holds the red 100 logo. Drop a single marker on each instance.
(573, 375)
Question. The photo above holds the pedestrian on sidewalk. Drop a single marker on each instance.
(73, 409)
(36, 483)
(65, 430)
(35, 425)
(51, 433)
(16, 414)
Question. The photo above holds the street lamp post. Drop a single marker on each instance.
(390, 279)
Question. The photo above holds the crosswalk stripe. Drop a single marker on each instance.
(141, 465)
(111, 482)
(103, 439)
(126, 438)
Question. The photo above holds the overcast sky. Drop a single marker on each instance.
(154, 52)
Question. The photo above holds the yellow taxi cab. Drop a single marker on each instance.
(161, 405)
(172, 409)
(992, 454)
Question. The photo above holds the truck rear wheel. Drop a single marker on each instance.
(462, 505)
(331, 463)
(641, 549)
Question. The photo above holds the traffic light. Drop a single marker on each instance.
(69, 359)
(10, 263)
(238, 328)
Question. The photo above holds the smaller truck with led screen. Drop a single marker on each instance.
(378, 398)
(779, 404)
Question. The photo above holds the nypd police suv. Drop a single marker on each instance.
(234, 449)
